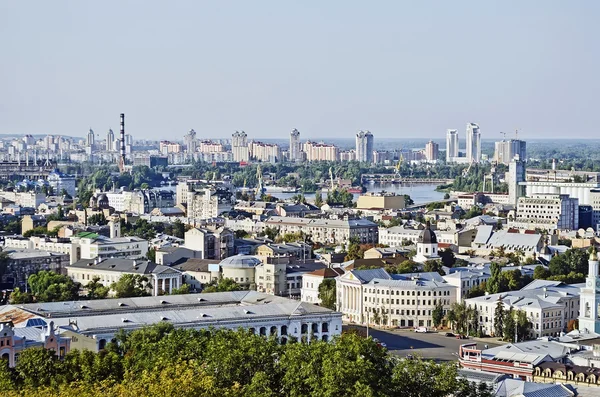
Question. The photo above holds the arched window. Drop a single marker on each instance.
(101, 344)
(274, 330)
(263, 331)
(284, 330)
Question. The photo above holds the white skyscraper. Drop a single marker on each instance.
(239, 146)
(473, 143)
(110, 139)
(294, 152)
(505, 151)
(90, 138)
(451, 145)
(364, 146)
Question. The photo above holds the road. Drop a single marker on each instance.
(429, 345)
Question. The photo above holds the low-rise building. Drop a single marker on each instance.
(161, 279)
(330, 231)
(14, 340)
(549, 306)
(311, 282)
(213, 243)
(24, 262)
(197, 273)
(262, 314)
(380, 201)
(398, 300)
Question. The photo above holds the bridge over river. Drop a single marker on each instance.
(397, 179)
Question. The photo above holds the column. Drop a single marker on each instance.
(155, 285)
(170, 285)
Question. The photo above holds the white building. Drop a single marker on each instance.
(327, 230)
(549, 306)
(295, 152)
(262, 314)
(589, 316)
(110, 141)
(311, 282)
(364, 146)
(506, 151)
(321, 151)
(451, 145)
(59, 181)
(394, 236)
(546, 212)
(473, 143)
(403, 300)
(161, 279)
(466, 279)
(427, 246)
(239, 146)
(202, 204)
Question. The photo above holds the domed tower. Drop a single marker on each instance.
(103, 201)
(427, 246)
(545, 252)
(589, 312)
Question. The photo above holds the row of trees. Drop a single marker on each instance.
(163, 361)
(48, 286)
(508, 324)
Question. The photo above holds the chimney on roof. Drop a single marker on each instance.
(134, 264)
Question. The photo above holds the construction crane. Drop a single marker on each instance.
(503, 134)
(399, 164)
(466, 172)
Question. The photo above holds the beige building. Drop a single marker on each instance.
(378, 201)
(403, 300)
(320, 151)
(199, 272)
(202, 204)
(546, 212)
(432, 151)
(327, 230)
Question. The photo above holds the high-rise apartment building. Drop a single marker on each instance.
(110, 139)
(364, 146)
(451, 145)
(321, 151)
(295, 152)
(506, 151)
(90, 138)
(190, 141)
(266, 152)
(516, 174)
(431, 151)
(239, 146)
(473, 143)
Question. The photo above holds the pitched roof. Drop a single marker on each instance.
(196, 265)
(328, 272)
(123, 266)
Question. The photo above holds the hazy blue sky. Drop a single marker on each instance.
(328, 68)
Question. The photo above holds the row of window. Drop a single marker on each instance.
(412, 302)
(402, 312)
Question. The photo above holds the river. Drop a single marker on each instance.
(419, 192)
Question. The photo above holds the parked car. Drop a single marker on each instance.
(421, 329)
(450, 334)
(462, 337)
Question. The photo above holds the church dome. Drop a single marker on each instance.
(428, 236)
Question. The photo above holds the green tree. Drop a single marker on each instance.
(97, 219)
(493, 283)
(151, 254)
(19, 297)
(178, 229)
(541, 273)
(95, 289)
(327, 293)
(433, 266)
(437, 315)
(318, 199)
(523, 325)
(508, 331)
(408, 201)
(130, 285)
(184, 289)
(48, 286)
(223, 285)
(37, 366)
(499, 320)
(447, 256)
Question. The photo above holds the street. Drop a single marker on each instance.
(429, 345)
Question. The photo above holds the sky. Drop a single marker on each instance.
(401, 69)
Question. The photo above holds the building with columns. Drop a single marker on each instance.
(161, 279)
(399, 300)
(98, 321)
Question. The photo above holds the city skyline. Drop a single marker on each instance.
(397, 69)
